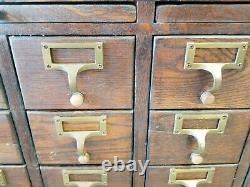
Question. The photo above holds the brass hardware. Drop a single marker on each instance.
(81, 136)
(214, 68)
(192, 182)
(3, 181)
(199, 134)
(72, 70)
(66, 178)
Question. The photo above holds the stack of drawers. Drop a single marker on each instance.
(143, 80)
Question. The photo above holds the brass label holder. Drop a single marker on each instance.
(199, 134)
(192, 182)
(81, 136)
(66, 178)
(3, 181)
(215, 69)
(72, 70)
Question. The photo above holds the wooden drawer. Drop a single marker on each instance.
(10, 153)
(72, 13)
(54, 149)
(174, 87)
(200, 13)
(166, 146)
(107, 88)
(52, 176)
(14, 176)
(222, 177)
(3, 102)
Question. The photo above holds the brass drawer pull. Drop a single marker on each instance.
(199, 134)
(81, 136)
(192, 182)
(72, 70)
(3, 181)
(215, 69)
(66, 178)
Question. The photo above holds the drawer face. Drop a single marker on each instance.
(15, 176)
(159, 176)
(54, 149)
(203, 13)
(10, 153)
(3, 102)
(72, 13)
(166, 147)
(174, 87)
(52, 176)
(107, 88)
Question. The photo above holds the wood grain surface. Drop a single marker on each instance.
(54, 149)
(223, 176)
(10, 153)
(15, 176)
(174, 87)
(53, 176)
(109, 88)
(71, 13)
(168, 148)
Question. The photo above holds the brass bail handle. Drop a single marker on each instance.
(77, 97)
(215, 69)
(81, 136)
(192, 182)
(196, 156)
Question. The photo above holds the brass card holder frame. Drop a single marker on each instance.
(72, 70)
(192, 182)
(81, 136)
(3, 181)
(215, 69)
(66, 178)
(199, 134)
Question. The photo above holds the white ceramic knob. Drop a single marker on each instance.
(77, 99)
(207, 98)
(84, 159)
(196, 158)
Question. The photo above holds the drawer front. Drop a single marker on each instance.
(53, 148)
(10, 153)
(222, 175)
(13, 176)
(203, 13)
(3, 102)
(72, 13)
(168, 147)
(107, 88)
(53, 177)
(174, 87)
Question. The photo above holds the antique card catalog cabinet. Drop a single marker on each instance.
(128, 93)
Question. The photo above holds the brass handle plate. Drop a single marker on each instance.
(81, 136)
(192, 182)
(199, 134)
(72, 70)
(214, 68)
(66, 178)
(3, 181)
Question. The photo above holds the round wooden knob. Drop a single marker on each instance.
(207, 98)
(196, 158)
(84, 159)
(77, 99)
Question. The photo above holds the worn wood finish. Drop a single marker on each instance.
(52, 149)
(108, 88)
(62, 1)
(10, 153)
(168, 148)
(203, 13)
(52, 176)
(158, 176)
(71, 13)
(10, 81)
(3, 102)
(16, 176)
(174, 87)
